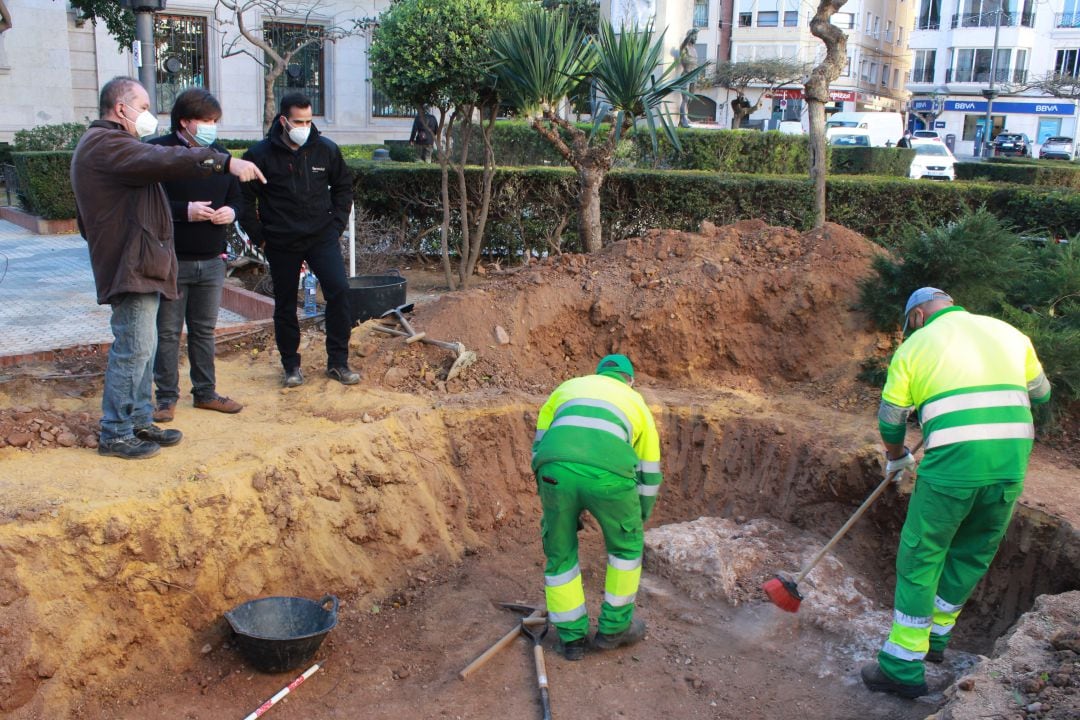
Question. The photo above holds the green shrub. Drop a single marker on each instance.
(44, 183)
(402, 151)
(5, 153)
(359, 152)
(236, 144)
(529, 204)
(1044, 173)
(733, 151)
(871, 161)
(989, 269)
(44, 138)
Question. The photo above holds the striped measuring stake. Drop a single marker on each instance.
(283, 692)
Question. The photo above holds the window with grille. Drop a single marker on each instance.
(701, 13)
(182, 61)
(306, 71)
(382, 107)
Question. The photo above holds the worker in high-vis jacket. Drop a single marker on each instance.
(973, 380)
(596, 449)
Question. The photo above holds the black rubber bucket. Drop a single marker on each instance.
(276, 634)
(372, 295)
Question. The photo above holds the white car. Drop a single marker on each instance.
(932, 160)
(926, 135)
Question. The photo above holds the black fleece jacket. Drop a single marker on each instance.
(307, 195)
(201, 240)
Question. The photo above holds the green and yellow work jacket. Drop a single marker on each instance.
(973, 380)
(602, 422)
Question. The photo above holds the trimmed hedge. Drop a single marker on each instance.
(45, 184)
(894, 162)
(529, 203)
(44, 138)
(1023, 173)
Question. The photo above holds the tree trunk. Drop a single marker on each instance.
(488, 177)
(269, 106)
(463, 196)
(816, 92)
(444, 233)
(590, 180)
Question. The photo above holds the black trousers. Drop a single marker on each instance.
(324, 260)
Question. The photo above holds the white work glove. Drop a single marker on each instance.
(897, 469)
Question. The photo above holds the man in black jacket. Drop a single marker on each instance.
(202, 210)
(298, 216)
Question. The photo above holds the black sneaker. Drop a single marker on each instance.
(343, 375)
(161, 436)
(129, 448)
(293, 378)
(877, 681)
(572, 651)
(629, 636)
(935, 656)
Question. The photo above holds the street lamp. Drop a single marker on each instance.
(144, 34)
(990, 93)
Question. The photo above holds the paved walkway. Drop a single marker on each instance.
(47, 296)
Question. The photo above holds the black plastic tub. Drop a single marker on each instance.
(372, 295)
(276, 634)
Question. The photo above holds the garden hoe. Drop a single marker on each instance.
(463, 358)
(783, 591)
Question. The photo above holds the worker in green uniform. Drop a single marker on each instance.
(973, 380)
(596, 449)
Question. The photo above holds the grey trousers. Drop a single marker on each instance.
(199, 283)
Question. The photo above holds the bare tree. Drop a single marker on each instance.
(767, 74)
(817, 94)
(1056, 85)
(307, 28)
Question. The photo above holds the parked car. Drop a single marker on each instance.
(926, 135)
(1008, 143)
(932, 160)
(849, 138)
(1057, 148)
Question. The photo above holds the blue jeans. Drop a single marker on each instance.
(199, 283)
(324, 259)
(125, 404)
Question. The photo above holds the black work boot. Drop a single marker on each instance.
(129, 448)
(573, 650)
(935, 656)
(163, 437)
(629, 636)
(878, 681)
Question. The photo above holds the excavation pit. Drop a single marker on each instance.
(411, 498)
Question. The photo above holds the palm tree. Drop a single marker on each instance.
(542, 59)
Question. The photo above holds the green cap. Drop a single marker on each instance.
(615, 366)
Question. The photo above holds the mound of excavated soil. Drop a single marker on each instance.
(746, 305)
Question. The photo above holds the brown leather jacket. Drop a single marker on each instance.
(123, 211)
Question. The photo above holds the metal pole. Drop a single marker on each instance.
(987, 148)
(144, 33)
(352, 241)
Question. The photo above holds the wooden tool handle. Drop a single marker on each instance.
(542, 680)
(494, 649)
(852, 520)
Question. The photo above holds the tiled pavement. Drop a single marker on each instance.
(47, 297)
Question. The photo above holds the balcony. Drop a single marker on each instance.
(922, 75)
(1067, 20)
(968, 75)
(990, 19)
(928, 23)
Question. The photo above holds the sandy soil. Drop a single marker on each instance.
(410, 498)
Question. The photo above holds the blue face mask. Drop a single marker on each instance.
(205, 134)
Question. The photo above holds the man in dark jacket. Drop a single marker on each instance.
(124, 215)
(424, 128)
(298, 216)
(202, 210)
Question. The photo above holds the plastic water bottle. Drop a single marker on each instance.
(309, 294)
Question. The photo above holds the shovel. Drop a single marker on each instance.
(528, 629)
(463, 358)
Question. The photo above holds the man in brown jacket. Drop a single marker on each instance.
(124, 215)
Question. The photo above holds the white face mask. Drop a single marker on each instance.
(145, 124)
(299, 135)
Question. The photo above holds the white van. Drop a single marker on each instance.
(884, 128)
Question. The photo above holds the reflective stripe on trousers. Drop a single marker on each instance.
(565, 596)
(621, 580)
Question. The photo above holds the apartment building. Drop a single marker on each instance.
(81, 56)
(954, 63)
(874, 75)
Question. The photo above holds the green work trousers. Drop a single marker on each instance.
(566, 489)
(948, 540)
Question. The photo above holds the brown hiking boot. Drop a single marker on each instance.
(221, 404)
(164, 412)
